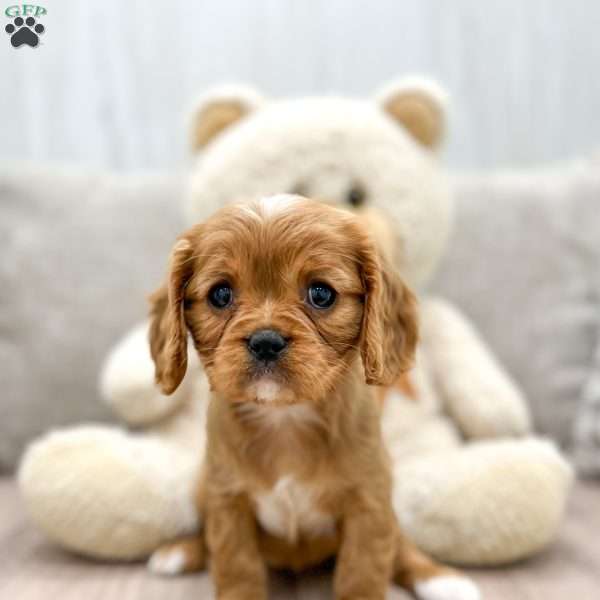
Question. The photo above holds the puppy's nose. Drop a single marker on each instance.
(266, 344)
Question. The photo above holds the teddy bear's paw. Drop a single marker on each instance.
(83, 486)
(447, 587)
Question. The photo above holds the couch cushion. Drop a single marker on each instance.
(31, 568)
(587, 424)
(523, 264)
(80, 251)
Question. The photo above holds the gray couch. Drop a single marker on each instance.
(80, 251)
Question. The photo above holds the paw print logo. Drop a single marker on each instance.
(24, 32)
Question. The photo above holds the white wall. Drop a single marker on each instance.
(110, 84)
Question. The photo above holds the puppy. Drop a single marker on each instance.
(295, 316)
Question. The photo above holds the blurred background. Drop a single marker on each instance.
(112, 80)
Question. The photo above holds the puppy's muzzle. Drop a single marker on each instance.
(266, 345)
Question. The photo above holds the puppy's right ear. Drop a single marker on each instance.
(390, 321)
(168, 331)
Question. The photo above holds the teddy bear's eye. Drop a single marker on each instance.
(299, 189)
(356, 196)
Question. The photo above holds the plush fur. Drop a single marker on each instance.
(471, 483)
(294, 476)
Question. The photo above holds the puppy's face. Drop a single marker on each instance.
(279, 298)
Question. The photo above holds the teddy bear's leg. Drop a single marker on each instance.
(487, 503)
(477, 393)
(104, 493)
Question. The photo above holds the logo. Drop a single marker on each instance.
(24, 29)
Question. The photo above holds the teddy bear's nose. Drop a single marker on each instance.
(266, 345)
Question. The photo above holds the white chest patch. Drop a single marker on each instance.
(288, 510)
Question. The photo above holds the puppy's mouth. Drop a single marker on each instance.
(259, 369)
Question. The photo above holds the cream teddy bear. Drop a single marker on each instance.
(473, 486)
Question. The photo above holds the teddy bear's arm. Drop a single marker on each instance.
(127, 381)
(477, 393)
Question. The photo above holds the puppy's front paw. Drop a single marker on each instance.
(447, 587)
(167, 561)
(183, 556)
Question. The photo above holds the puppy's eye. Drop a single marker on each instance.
(220, 295)
(356, 196)
(321, 295)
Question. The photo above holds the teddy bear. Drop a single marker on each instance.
(473, 485)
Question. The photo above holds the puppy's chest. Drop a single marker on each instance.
(289, 510)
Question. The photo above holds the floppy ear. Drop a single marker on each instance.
(218, 109)
(419, 105)
(168, 331)
(390, 323)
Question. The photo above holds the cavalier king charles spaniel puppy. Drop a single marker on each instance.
(295, 316)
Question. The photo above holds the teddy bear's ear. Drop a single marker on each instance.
(418, 104)
(219, 108)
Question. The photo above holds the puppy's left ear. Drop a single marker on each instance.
(390, 322)
(168, 331)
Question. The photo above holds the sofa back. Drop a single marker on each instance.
(524, 265)
(81, 250)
